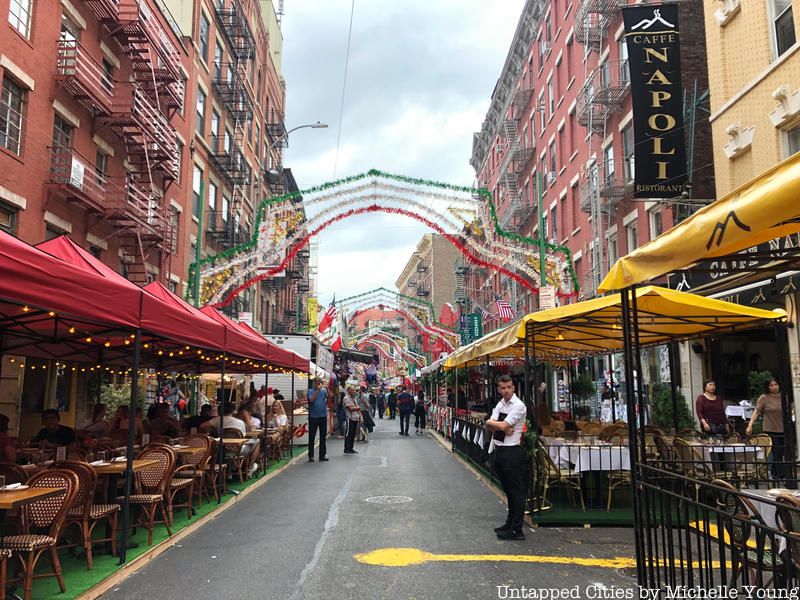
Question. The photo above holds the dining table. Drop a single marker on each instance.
(579, 457)
(762, 501)
(10, 499)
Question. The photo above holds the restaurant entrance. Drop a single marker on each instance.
(732, 357)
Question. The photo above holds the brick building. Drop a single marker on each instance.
(560, 126)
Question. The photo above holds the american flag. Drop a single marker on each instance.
(486, 314)
(504, 310)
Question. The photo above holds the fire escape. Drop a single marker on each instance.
(518, 154)
(138, 112)
(275, 128)
(591, 21)
(229, 86)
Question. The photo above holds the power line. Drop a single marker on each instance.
(344, 88)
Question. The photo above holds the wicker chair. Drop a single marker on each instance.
(4, 556)
(691, 464)
(43, 522)
(77, 454)
(555, 475)
(182, 480)
(234, 458)
(788, 518)
(216, 472)
(759, 471)
(200, 461)
(151, 488)
(85, 514)
(592, 429)
(612, 430)
(739, 515)
(690, 434)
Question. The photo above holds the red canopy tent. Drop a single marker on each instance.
(278, 356)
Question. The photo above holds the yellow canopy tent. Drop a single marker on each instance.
(763, 209)
(595, 326)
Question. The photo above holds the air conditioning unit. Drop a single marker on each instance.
(550, 176)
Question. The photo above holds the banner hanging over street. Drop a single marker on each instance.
(653, 40)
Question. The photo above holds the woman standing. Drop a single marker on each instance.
(711, 410)
(770, 406)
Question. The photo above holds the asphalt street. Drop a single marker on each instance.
(304, 534)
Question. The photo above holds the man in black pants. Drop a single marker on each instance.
(506, 423)
(317, 420)
(353, 419)
(405, 404)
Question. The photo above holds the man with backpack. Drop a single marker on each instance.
(381, 402)
(392, 401)
(405, 403)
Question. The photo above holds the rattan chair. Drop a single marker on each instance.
(759, 470)
(690, 434)
(4, 556)
(151, 488)
(592, 429)
(200, 461)
(85, 514)
(554, 475)
(182, 480)
(43, 520)
(740, 518)
(77, 454)
(234, 457)
(788, 518)
(691, 464)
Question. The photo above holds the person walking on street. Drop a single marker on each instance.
(373, 402)
(392, 401)
(341, 415)
(770, 406)
(405, 403)
(506, 424)
(381, 402)
(353, 419)
(419, 414)
(318, 420)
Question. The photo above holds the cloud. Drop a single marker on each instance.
(420, 80)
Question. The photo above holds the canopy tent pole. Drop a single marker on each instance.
(221, 446)
(787, 402)
(673, 384)
(291, 420)
(611, 388)
(486, 385)
(264, 424)
(455, 411)
(126, 503)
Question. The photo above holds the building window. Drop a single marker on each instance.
(608, 165)
(783, 25)
(613, 252)
(70, 32)
(624, 67)
(96, 251)
(214, 123)
(51, 232)
(554, 224)
(62, 134)
(212, 198)
(20, 16)
(632, 232)
(175, 222)
(201, 112)
(12, 102)
(8, 218)
(793, 141)
(179, 161)
(553, 163)
(101, 167)
(197, 185)
(257, 141)
(107, 80)
(628, 152)
(226, 207)
(656, 224)
(203, 41)
(218, 62)
(551, 107)
(542, 116)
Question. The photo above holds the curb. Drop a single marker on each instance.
(142, 560)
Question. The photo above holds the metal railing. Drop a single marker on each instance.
(84, 76)
(69, 168)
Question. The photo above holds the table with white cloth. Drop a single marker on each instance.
(580, 458)
(760, 499)
(733, 455)
(743, 412)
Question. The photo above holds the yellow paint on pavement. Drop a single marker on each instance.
(406, 557)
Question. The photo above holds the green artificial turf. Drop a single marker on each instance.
(79, 579)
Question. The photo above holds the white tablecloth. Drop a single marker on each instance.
(744, 452)
(768, 511)
(745, 412)
(580, 458)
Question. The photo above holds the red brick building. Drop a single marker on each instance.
(561, 114)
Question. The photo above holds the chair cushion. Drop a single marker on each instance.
(5, 553)
(180, 483)
(103, 510)
(765, 558)
(145, 498)
(26, 543)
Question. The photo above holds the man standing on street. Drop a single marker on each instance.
(405, 403)
(506, 424)
(392, 401)
(318, 420)
(381, 400)
(353, 419)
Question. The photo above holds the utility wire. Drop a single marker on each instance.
(344, 88)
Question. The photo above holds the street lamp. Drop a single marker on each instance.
(317, 125)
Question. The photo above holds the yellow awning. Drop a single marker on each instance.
(761, 210)
(595, 326)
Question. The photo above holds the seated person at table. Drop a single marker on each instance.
(201, 422)
(7, 450)
(53, 434)
(231, 422)
(121, 423)
(97, 427)
(277, 416)
(245, 414)
(162, 423)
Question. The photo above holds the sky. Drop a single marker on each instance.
(419, 83)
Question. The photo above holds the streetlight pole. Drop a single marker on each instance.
(285, 134)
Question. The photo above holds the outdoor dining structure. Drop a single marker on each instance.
(58, 302)
(707, 511)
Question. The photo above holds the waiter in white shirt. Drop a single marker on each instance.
(506, 423)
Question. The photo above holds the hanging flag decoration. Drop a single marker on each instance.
(328, 318)
(504, 310)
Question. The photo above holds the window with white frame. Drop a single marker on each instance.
(8, 218)
(551, 96)
(628, 152)
(542, 116)
(624, 67)
(12, 102)
(218, 61)
(197, 184)
(203, 42)
(214, 122)
(212, 197)
(656, 223)
(782, 25)
(632, 233)
(608, 165)
(201, 112)
(793, 141)
(553, 164)
(19, 16)
(613, 251)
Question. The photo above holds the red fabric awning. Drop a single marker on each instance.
(278, 356)
(237, 340)
(158, 290)
(158, 317)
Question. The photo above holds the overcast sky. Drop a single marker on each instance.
(420, 78)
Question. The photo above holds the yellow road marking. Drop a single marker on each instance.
(406, 557)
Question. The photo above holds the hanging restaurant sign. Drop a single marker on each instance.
(653, 41)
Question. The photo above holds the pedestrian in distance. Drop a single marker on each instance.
(380, 399)
(353, 419)
(373, 402)
(392, 401)
(367, 424)
(318, 420)
(419, 414)
(506, 423)
(341, 416)
(405, 404)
